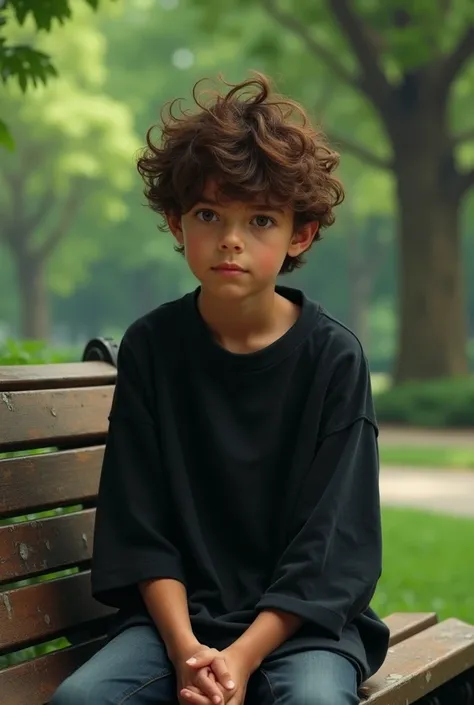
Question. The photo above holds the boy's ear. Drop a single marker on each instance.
(303, 238)
(174, 224)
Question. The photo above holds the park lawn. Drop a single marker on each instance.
(428, 565)
(430, 457)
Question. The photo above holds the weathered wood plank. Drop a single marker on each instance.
(54, 417)
(35, 483)
(403, 625)
(34, 682)
(68, 374)
(44, 546)
(46, 610)
(422, 663)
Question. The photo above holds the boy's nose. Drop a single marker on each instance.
(231, 241)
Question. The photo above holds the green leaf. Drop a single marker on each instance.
(25, 64)
(43, 12)
(6, 139)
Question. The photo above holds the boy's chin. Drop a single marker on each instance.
(227, 289)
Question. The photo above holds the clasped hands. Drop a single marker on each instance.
(212, 677)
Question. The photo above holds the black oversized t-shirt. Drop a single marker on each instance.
(251, 478)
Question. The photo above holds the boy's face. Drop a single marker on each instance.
(235, 248)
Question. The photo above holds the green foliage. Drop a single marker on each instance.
(433, 404)
(34, 352)
(27, 65)
(112, 269)
(44, 13)
(23, 62)
(33, 652)
(6, 138)
(83, 142)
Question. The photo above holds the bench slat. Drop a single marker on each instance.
(422, 663)
(34, 682)
(35, 483)
(43, 546)
(54, 417)
(403, 625)
(67, 374)
(43, 611)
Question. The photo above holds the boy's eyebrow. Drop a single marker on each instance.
(266, 207)
(250, 206)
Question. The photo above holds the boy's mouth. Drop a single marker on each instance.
(229, 268)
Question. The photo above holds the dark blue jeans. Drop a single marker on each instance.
(133, 669)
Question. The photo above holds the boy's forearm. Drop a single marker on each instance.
(269, 630)
(167, 604)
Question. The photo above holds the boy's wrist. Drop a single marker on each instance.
(269, 630)
(182, 647)
(246, 655)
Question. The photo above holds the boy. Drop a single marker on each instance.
(238, 522)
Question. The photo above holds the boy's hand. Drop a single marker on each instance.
(230, 670)
(208, 692)
(201, 683)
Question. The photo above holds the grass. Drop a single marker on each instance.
(428, 565)
(426, 456)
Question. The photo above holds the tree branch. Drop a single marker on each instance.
(466, 181)
(64, 222)
(16, 233)
(42, 210)
(8, 233)
(450, 66)
(462, 137)
(358, 150)
(374, 82)
(290, 22)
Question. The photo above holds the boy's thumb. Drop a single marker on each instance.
(201, 660)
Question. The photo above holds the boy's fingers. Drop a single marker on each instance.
(194, 696)
(209, 687)
(219, 668)
(202, 658)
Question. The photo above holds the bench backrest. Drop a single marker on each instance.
(61, 410)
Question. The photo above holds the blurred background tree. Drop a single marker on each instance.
(409, 70)
(394, 265)
(74, 153)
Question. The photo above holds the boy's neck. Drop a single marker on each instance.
(250, 324)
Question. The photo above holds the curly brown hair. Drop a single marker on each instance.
(252, 143)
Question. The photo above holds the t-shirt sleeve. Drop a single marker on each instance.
(328, 572)
(132, 538)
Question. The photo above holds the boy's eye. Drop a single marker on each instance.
(263, 221)
(205, 215)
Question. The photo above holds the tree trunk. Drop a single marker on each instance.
(432, 340)
(34, 305)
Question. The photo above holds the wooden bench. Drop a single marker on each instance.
(63, 409)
